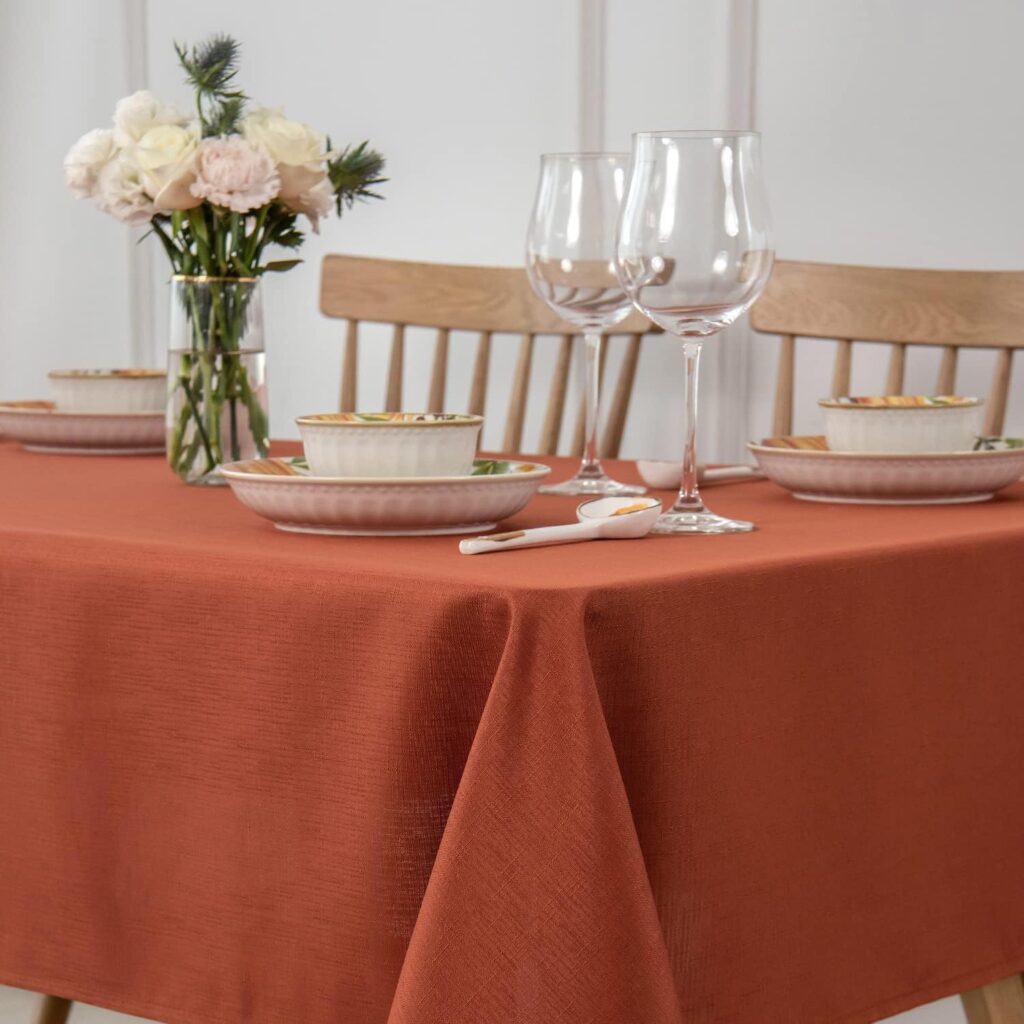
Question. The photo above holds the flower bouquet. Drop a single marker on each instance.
(218, 190)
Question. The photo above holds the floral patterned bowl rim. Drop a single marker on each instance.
(889, 402)
(46, 408)
(133, 374)
(390, 419)
(296, 470)
(815, 446)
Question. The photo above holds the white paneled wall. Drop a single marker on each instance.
(890, 137)
(64, 270)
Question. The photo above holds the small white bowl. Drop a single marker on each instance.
(390, 444)
(109, 390)
(902, 423)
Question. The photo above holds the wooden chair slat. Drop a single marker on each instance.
(897, 369)
(946, 384)
(782, 418)
(615, 424)
(439, 372)
(551, 430)
(350, 369)
(396, 364)
(926, 307)
(995, 415)
(841, 369)
(445, 297)
(482, 363)
(517, 400)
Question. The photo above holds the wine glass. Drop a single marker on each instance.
(693, 253)
(570, 260)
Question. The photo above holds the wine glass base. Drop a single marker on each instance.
(592, 487)
(699, 522)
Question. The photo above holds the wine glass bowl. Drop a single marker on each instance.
(570, 261)
(694, 253)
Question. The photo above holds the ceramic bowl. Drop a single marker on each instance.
(113, 391)
(902, 423)
(285, 492)
(390, 444)
(806, 466)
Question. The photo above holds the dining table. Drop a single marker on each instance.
(253, 777)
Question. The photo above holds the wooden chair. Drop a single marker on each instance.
(482, 300)
(950, 309)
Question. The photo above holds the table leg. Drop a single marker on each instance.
(1002, 1002)
(53, 1010)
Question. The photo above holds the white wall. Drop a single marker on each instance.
(64, 270)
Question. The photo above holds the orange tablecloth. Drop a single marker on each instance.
(253, 777)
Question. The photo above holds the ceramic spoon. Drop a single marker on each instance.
(599, 519)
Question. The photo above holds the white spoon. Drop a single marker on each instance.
(599, 519)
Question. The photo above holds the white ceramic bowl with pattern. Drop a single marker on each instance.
(109, 390)
(806, 467)
(390, 444)
(902, 423)
(42, 428)
(285, 492)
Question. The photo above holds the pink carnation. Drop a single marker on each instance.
(233, 173)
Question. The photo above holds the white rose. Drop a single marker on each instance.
(165, 157)
(86, 159)
(299, 151)
(315, 203)
(121, 193)
(136, 114)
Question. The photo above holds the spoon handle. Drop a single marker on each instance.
(540, 536)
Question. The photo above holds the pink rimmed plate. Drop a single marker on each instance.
(41, 427)
(805, 466)
(285, 492)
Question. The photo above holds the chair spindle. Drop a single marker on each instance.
(946, 384)
(478, 388)
(782, 420)
(393, 399)
(996, 405)
(897, 369)
(615, 424)
(439, 372)
(841, 370)
(350, 368)
(551, 431)
(517, 401)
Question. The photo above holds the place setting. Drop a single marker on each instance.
(92, 412)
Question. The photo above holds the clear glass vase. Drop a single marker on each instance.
(217, 386)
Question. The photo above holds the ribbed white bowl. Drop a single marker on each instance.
(391, 445)
(901, 428)
(40, 427)
(880, 479)
(109, 390)
(284, 492)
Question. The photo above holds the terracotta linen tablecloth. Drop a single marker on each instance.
(247, 776)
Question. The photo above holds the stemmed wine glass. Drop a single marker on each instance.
(694, 252)
(570, 260)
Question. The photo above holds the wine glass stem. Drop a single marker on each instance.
(689, 495)
(591, 464)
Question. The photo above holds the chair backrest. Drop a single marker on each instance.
(949, 309)
(482, 300)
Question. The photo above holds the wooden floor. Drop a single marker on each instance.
(18, 1007)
